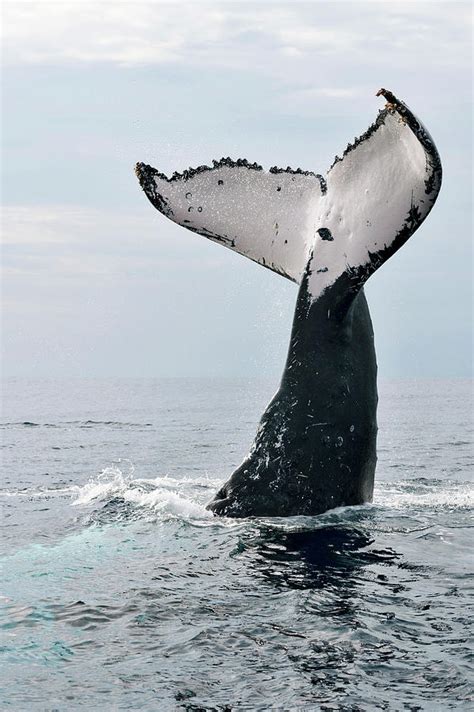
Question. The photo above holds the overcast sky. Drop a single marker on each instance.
(98, 283)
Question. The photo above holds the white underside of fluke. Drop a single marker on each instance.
(277, 218)
(369, 198)
(264, 216)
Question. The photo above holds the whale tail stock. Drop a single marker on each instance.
(371, 201)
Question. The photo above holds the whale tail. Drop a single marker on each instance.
(372, 200)
(315, 447)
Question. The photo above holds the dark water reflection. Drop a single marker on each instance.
(314, 559)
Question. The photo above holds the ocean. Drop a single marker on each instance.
(121, 592)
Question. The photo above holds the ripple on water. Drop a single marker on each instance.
(120, 590)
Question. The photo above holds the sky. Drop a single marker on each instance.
(96, 283)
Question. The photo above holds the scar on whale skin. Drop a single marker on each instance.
(315, 447)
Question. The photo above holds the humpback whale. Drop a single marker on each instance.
(315, 448)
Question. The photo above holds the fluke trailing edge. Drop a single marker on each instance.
(315, 447)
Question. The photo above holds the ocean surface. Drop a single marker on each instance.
(121, 592)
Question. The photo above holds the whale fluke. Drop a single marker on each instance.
(315, 446)
(372, 199)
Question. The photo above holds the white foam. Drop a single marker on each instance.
(112, 483)
(108, 483)
(167, 481)
(42, 492)
(179, 497)
(406, 495)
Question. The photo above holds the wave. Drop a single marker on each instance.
(118, 492)
(422, 492)
(76, 423)
(38, 492)
(158, 495)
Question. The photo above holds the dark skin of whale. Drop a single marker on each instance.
(316, 444)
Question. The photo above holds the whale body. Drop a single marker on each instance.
(315, 448)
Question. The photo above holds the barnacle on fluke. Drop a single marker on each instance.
(315, 448)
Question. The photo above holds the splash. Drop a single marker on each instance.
(186, 497)
(158, 495)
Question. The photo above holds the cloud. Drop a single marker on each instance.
(69, 242)
(239, 35)
(328, 93)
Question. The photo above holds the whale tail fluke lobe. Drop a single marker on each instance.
(261, 215)
(315, 448)
(378, 194)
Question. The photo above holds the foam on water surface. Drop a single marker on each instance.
(186, 497)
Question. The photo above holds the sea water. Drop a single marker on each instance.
(120, 591)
